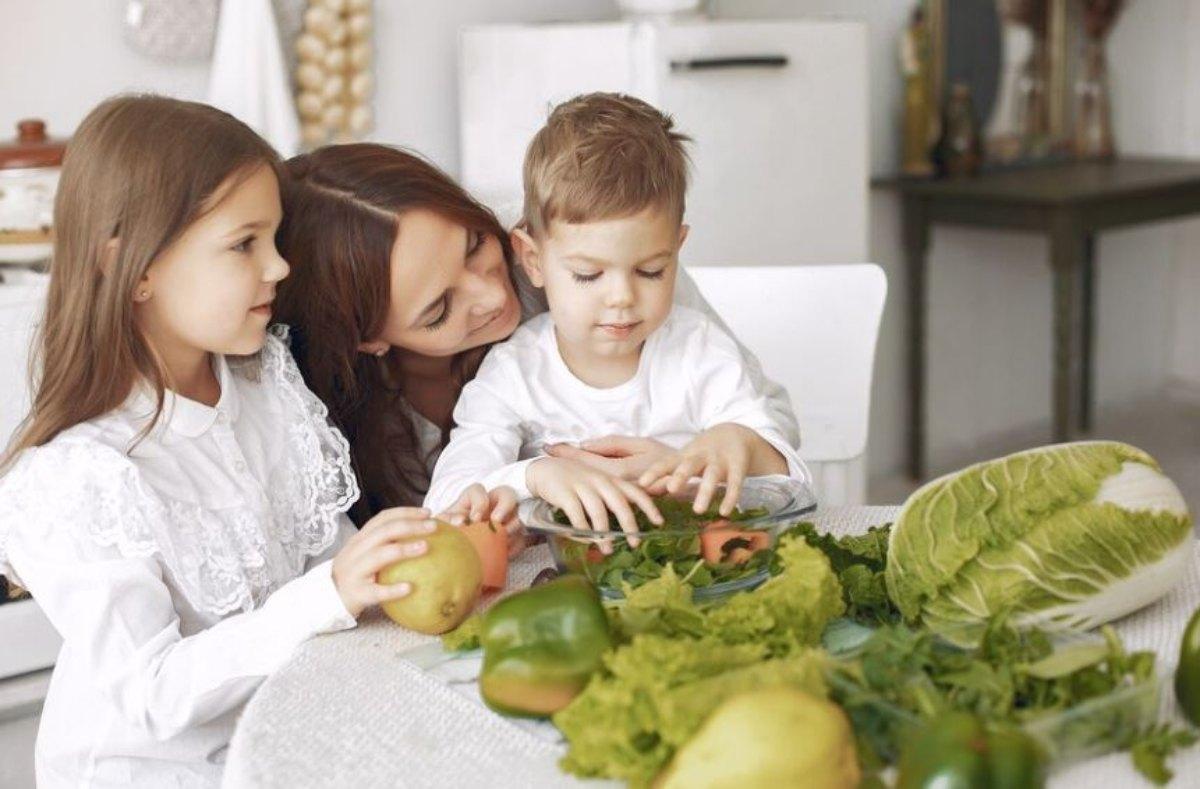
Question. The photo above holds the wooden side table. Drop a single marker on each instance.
(1069, 203)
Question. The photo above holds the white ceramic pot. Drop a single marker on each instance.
(29, 170)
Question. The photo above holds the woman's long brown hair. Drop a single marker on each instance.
(341, 208)
(138, 171)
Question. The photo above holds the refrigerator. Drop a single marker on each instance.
(777, 111)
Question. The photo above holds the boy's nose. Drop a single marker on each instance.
(620, 292)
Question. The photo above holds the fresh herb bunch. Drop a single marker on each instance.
(902, 677)
(635, 566)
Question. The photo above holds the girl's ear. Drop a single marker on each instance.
(108, 261)
(528, 255)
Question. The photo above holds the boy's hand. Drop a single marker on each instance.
(587, 495)
(476, 503)
(385, 539)
(625, 457)
(498, 506)
(724, 453)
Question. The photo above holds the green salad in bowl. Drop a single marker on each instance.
(716, 554)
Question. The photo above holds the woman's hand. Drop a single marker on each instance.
(587, 495)
(624, 457)
(385, 539)
(498, 506)
(725, 453)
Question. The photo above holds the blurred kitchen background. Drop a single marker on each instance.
(803, 156)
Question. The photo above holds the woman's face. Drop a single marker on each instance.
(450, 288)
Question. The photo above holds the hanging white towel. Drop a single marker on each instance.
(249, 77)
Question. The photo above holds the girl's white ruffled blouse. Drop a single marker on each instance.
(180, 570)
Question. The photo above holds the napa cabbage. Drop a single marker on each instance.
(1070, 535)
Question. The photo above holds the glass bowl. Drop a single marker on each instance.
(717, 559)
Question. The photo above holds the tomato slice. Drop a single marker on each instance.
(721, 541)
(491, 543)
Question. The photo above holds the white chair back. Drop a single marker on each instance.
(814, 329)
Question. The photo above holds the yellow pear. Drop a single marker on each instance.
(445, 582)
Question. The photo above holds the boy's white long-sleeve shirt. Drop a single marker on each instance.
(691, 376)
(180, 573)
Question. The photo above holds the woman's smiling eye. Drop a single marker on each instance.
(585, 277)
(244, 245)
(437, 322)
(475, 240)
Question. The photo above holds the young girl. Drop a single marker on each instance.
(175, 499)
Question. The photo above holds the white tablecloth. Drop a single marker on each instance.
(348, 712)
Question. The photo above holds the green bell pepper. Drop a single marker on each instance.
(956, 751)
(541, 646)
(1187, 673)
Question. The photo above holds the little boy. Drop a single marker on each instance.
(604, 182)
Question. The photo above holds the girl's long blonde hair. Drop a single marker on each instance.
(139, 170)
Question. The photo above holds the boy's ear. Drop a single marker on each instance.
(526, 250)
(683, 234)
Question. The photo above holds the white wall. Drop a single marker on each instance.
(989, 296)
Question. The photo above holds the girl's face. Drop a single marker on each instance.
(211, 290)
(450, 288)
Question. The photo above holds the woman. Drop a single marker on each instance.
(400, 281)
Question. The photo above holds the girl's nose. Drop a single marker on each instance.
(276, 269)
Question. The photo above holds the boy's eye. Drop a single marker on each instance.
(585, 277)
(652, 274)
(244, 245)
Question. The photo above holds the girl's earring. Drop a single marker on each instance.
(382, 352)
(143, 294)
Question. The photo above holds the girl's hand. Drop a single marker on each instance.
(385, 539)
(499, 506)
(587, 495)
(725, 453)
(624, 457)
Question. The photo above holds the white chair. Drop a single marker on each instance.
(814, 330)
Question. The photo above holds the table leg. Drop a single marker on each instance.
(916, 248)
(1068, 254)
(1087, 388)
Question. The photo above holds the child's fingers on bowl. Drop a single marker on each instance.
(618, 505)
(687, 468)
(575, 514)
(733, 488)
(642, 499)
(660, 468)
(597, 515)
(713, 473)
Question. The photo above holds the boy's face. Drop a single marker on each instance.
(609, 283)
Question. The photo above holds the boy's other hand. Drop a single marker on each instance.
(587, 495)
(624, 457)
(723, 454)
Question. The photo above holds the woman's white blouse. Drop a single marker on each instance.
(180, 569)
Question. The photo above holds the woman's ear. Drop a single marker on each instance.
(526, 250)
(374, 347)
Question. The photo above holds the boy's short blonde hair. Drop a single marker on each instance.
(603, 156)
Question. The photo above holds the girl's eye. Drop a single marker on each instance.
(652, 274)
(244, 245)
(585, 277)
(437, 322)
